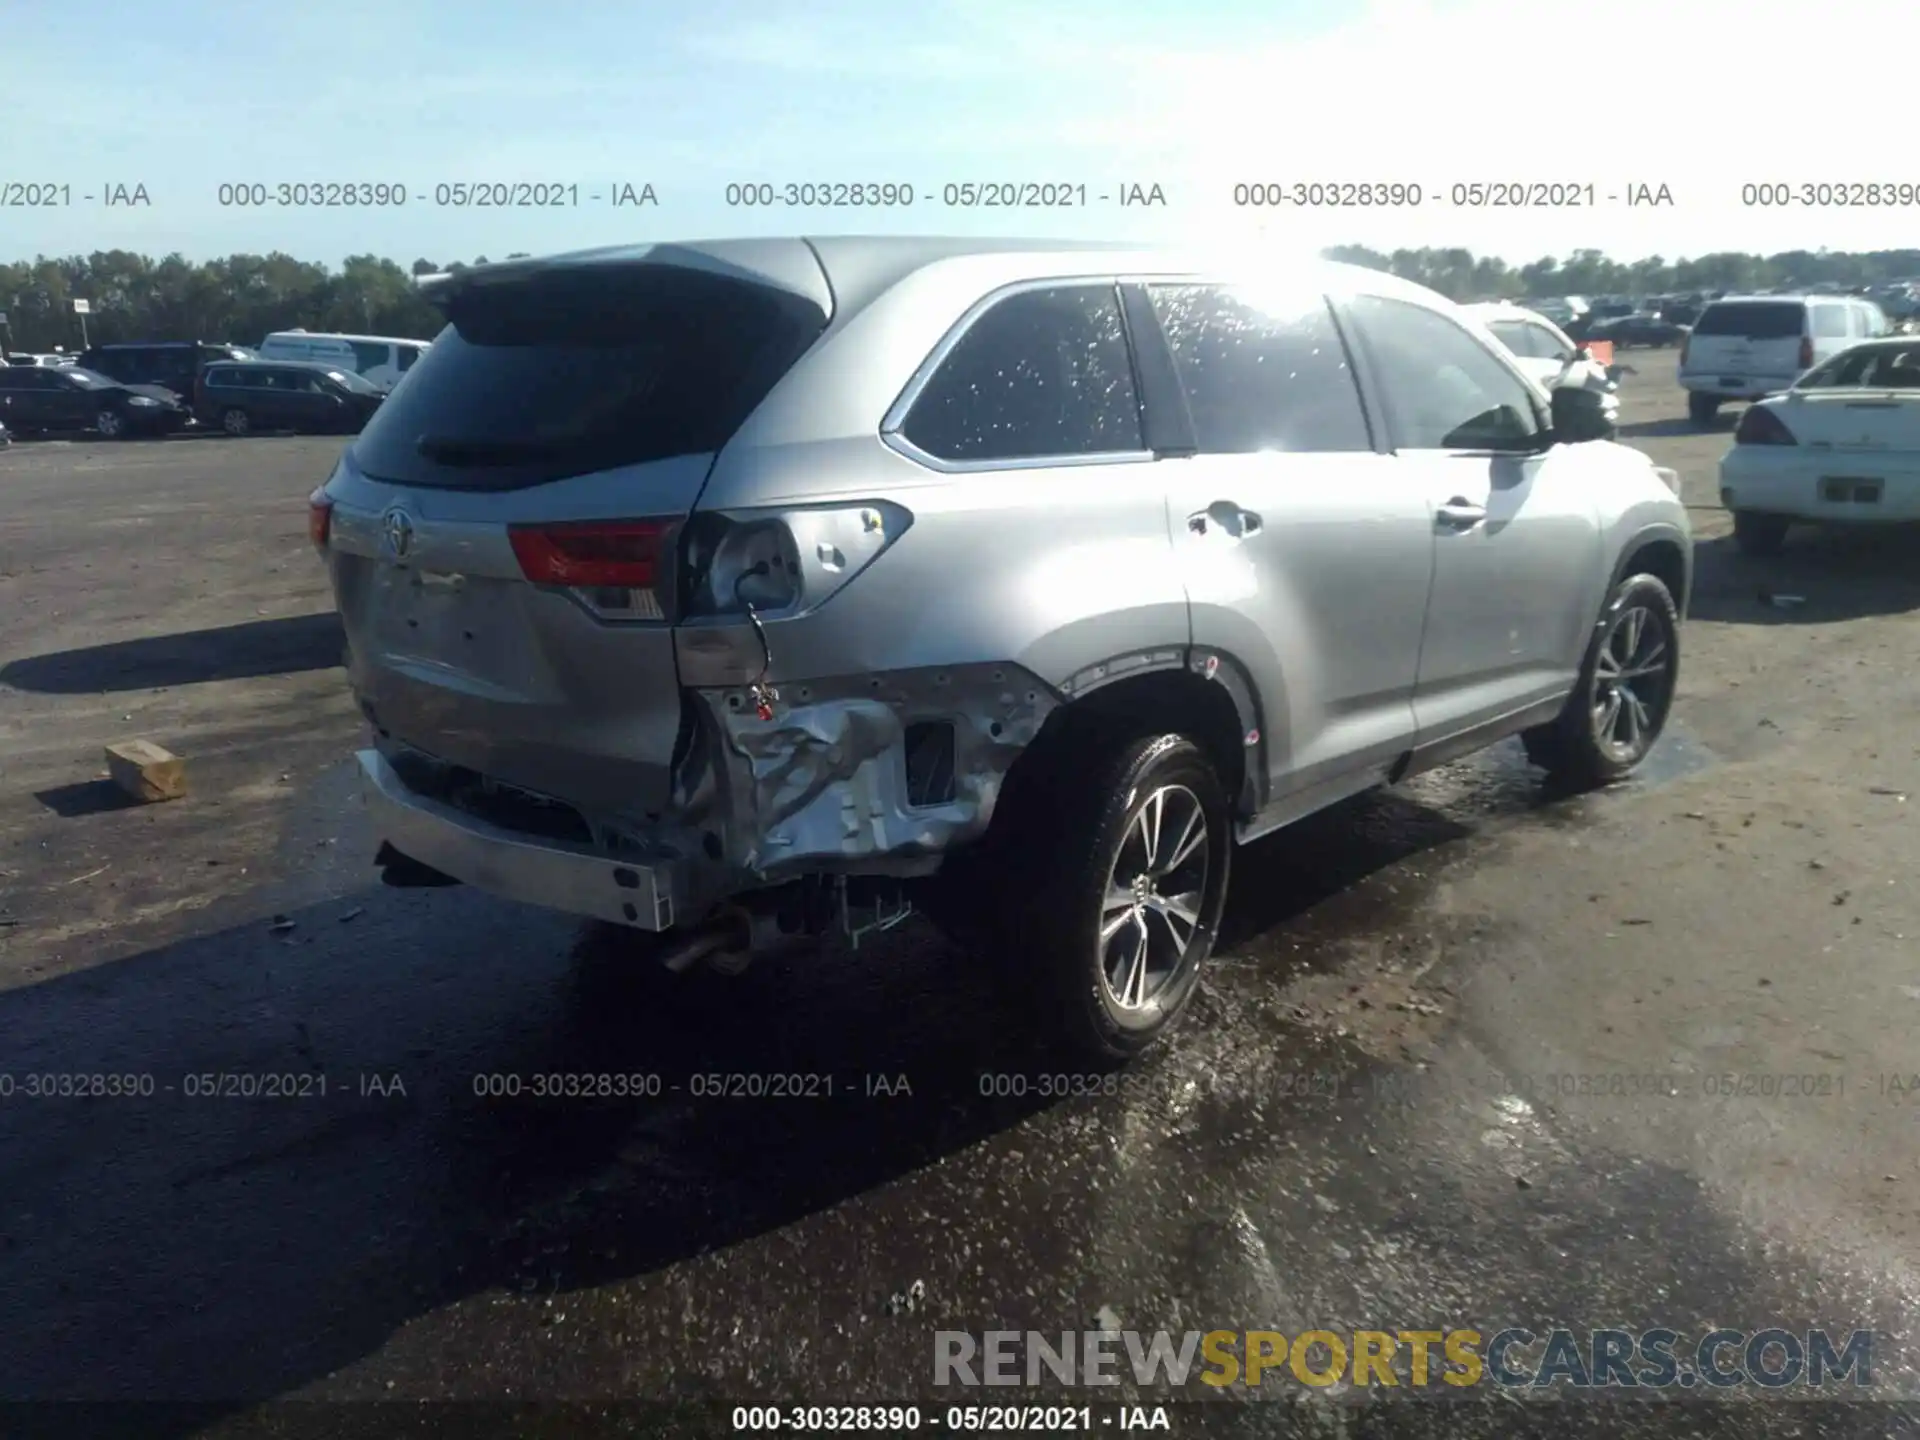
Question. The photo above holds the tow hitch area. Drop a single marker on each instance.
(804, 912)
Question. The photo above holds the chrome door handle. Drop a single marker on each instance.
(1459, 514)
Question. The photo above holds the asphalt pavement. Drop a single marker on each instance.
(1472, 1054)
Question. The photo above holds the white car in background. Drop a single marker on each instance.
(1841, 445)
(1546, 353)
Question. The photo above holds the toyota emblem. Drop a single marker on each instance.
(399, 533)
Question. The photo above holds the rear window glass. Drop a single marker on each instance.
(571, 373)
(1753, 320)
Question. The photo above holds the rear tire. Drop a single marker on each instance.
(1127, 892)
(1619, 707)
(1702, 408)
(1757, 534)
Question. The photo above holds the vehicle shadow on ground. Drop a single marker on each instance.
(1823, 575)
(1677, 425)
(228, 652)
(240, 1248)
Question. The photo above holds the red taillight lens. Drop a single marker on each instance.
(319, 518)
(1761, 426)
(621, 554)
(1806, 352)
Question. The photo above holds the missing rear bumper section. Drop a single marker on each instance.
(872, 776)
(536, 869)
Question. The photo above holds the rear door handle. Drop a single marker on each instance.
(1225, 516)
(1459, 514)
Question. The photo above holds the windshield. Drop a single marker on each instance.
(359, 384)
(93, 379)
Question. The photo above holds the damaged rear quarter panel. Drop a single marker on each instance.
(822, 786)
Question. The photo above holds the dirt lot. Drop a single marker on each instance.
(1416, 1093)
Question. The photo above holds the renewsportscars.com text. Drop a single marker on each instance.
(1512, 1358)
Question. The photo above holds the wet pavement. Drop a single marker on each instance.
(1391, 1108)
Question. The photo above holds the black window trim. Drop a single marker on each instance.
(892, 433)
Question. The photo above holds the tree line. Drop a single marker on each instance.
(242, 298)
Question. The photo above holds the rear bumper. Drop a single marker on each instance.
(549, 873)
(1751, 387)
(1784, 481)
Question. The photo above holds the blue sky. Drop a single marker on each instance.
(689, 95)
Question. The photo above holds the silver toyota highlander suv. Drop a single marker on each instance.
(745, 591)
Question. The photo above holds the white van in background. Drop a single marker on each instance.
(381, 359)
(1745, 347)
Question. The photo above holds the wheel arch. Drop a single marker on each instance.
(1663, 551)
(1200, 693)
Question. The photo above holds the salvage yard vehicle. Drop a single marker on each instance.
(1842, 446)
(1546, 354)
(172, 364)
(744, 591)
(35, 398)
(378, 359)
(249, 395)
(1746, 347)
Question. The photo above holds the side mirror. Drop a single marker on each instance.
(1579, 414)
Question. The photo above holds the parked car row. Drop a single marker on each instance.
(295, 381)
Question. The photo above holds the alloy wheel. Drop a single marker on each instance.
(1155, 890)
(1632, 684)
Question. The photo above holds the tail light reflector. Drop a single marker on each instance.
(1761, 426)
(622, 554)
(319, 518)
(1806, 352)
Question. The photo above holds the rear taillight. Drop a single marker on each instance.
(1762, 426)
(319, 518)
(1806, 352)
(623, 554)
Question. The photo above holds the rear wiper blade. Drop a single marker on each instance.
(453, 450)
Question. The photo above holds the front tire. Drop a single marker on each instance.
(1702, 408)
(1757, 534)
(111, 424)
(1131, 885)
(1620, 705)
(236, 423)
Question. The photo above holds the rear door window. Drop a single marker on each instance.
(570, 373)
(1753, 320)
(1444, 389)
(1041, 374)
(1261, 375)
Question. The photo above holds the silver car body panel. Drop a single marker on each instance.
(983, 596)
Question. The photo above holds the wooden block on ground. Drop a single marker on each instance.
(147, 772)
